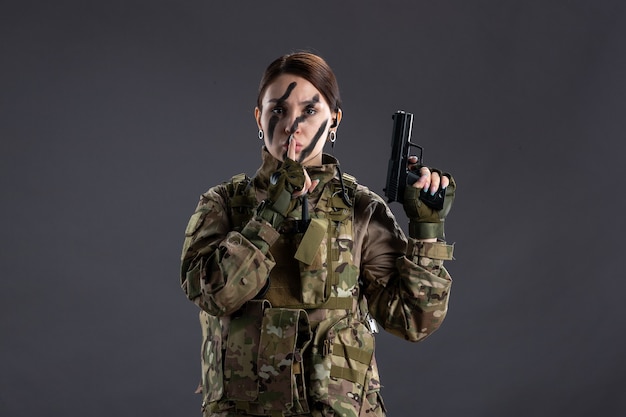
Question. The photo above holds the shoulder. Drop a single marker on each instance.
(365, 200)
(366, 196)
(358, 192)
(223, 192)
(370, 208)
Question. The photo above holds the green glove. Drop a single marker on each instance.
(424, 221)
(280, 202)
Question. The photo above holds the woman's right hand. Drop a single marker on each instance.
(309, 185)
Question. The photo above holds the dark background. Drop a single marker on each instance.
(116, 115)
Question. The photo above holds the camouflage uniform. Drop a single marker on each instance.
(285, 326)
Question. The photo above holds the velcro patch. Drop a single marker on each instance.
(311, 241)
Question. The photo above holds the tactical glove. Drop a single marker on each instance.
(280, 202)
(424, 221)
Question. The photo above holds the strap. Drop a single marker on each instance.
(338, 303)
(348, 374)
(353, 353)
(242, 200)
(433, 250)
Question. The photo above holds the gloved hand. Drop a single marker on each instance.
(280, 200)
(424, 221)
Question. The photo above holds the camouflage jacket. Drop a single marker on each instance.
(243, 275)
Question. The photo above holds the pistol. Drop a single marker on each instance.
(398, 174)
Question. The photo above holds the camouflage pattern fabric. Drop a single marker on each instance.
(311, 353)
(285, 334)
(242, 349)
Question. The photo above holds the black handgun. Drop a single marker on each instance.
(398, 174)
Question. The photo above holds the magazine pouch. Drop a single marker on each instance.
(285, 333)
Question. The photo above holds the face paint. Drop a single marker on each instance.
(279, 102)
(309, 149)
(294, 111)
(287, 93)
(309, 105)
(271, 126)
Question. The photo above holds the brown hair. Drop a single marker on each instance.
(309, 66)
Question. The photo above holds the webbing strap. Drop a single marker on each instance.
(352, 353)
(242, 405)
(348, 374)
(338, 303)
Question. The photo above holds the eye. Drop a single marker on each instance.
(310, 111)
(277, 110)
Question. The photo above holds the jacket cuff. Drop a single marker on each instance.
(429, 255)
(434, 250)
(261, 234)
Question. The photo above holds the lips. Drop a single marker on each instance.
(298, 145)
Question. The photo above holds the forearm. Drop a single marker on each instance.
(412, 303)
(220, 268)
(222, 281)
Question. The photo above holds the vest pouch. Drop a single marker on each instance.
(211, 355)
(242, 347)
(285, 333)
(342, 360)
(373, 405)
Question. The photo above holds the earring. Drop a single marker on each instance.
(332, 137)
(261, 134)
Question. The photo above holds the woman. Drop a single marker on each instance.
(293, 268)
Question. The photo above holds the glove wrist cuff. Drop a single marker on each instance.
(260, 234)
(267, 212)
(422, 230)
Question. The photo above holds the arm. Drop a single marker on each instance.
(404, 280)
(222, 269)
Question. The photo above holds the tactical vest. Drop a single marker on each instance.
(305, 346)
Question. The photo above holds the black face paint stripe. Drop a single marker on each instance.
(286, 95)
(312, 102)
(274, 119)
(309, 149)
(296, 122)
(271, 126)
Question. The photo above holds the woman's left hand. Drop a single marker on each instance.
(429, 181)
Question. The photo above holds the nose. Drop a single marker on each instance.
(291, 125)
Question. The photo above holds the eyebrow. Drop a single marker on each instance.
(313, 101)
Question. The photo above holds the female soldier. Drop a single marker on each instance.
(293, 268)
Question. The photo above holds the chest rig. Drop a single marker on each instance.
(314, 269)
(301, 344)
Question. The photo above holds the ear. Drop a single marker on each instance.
(257, 116)
(337, 118)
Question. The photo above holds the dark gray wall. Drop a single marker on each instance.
(116, 115)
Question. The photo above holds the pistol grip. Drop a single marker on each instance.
(435, 201)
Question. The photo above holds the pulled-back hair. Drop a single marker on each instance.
(309, 66)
